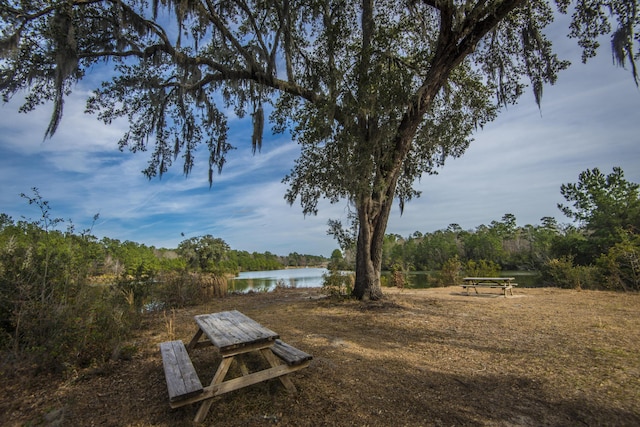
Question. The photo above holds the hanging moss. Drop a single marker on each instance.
(258, 129)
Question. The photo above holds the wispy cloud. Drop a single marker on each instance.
(518, 163)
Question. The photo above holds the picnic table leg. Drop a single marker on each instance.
(194, 340)
(243, 366)
(274, 361)
(217, 379)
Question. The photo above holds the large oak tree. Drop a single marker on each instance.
(377, 93)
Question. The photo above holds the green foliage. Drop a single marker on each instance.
(48, 312)
(562, 272)
(620, 266)
(129, 259)
(337, 284)
(337, 261)
(245, 261)
(433, 250)
(503, 243)
(605, 207)
(481, 268)
(573, 243)
(295, 259)
(450, 273)
(485, 243)
(204, 253)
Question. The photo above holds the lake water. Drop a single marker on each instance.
(265, 281)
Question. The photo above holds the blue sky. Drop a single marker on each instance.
(590, 118)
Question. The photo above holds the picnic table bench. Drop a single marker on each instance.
(233, 334)
(182, 379)
(504, 283)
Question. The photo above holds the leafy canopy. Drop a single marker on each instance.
(377, 93)
(603, 203)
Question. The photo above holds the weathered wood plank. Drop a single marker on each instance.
(231, 329)
(289, 354)
(181, 376)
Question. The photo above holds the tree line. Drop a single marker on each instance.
(501, 242)
(86, 255)
(600, 249)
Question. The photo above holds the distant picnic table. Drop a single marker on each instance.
(232, 334)
(504, 283)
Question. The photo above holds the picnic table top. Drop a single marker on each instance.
(231, 329)
(490, 279)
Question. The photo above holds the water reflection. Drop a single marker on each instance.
(265, 281)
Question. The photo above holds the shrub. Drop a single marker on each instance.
(103, 325)
(49, 315)
(336, 283)
(563, 273)
(81, 331)
(620, 266)
(481, 268)
(135, 289)
(398, 276)
(449, 274)
(181, 289)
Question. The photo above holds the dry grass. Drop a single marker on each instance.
(419, 358)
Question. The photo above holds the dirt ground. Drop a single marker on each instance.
(431, 357)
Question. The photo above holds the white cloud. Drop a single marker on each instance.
(518, 163)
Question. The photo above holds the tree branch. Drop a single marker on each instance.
(257, 32)
(219, 24)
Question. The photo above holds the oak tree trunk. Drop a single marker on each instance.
(373, 215)
(368, 262)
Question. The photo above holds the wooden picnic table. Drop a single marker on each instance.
(504, 283)
(232, 334)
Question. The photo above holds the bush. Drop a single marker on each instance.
(49, 315)
(450, 273)
(336, 283)
(181, 289)
(103, 325)
(481, 268)
(561, 272)
(398, 276)
(620, 266)
(77, 333)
